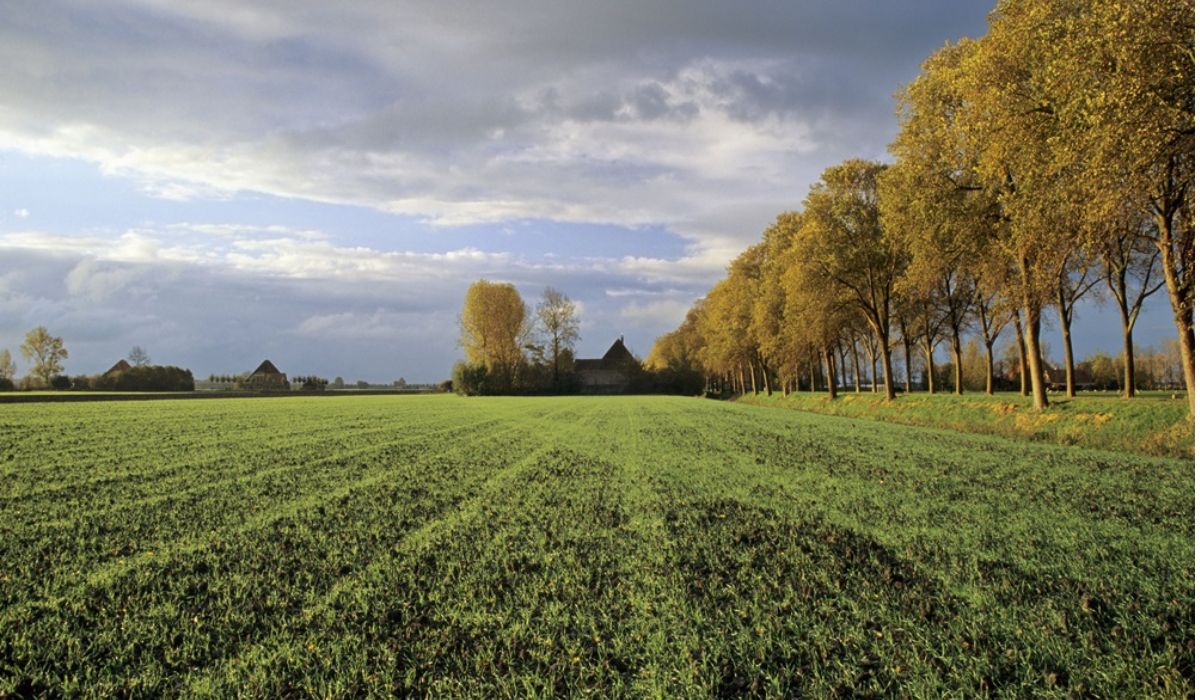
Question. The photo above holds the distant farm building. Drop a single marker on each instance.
(121, 366)
(266, 378)
(612, 374)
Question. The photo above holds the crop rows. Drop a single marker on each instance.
(616, 546)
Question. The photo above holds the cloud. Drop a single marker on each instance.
(289, 294)
(21, 213)
(698, 122)
(671, 115)
(663, 313)
(98, 281)
(379, 324)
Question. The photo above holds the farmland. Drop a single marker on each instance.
(625, 546)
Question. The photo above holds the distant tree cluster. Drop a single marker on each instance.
(227, 378)
(311, 383)
(1053, 154)
(145, 378)
(509, 350)
(45, 352)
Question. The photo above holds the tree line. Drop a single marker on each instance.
(1051, 157)
(45, 353)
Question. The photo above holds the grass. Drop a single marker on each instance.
(1153, 424)
(617, 546)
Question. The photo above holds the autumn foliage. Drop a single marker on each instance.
(1055, 152)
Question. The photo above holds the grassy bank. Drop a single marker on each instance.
(1154, 424)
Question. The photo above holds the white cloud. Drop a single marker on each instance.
(377, 325)
(97, 281)
(663, 313)
(705, 122)
(21, 213)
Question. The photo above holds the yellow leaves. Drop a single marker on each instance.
(1034, 421)
(494, 321)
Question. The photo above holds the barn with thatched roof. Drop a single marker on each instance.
(121, 366)
(266, 378)
(611, 374)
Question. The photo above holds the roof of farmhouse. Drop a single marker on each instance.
(617, 356)
(266, 368)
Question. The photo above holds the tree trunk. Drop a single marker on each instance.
(753, 379)
(907, 367)
(956, 350)
(830, 364)
(989, 387)
(841, 379)
(1127, 337)
(812, 375)
(766, 378)
(930, 383)
(857, 369)
(886, 360)
(1033, 340)
(1180, 292)
(556, 350)
(880, 325)
(873, 355)
(1024, 355)
(1064, 318)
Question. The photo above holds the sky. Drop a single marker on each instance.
(221, 181)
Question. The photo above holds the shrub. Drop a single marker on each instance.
(60, 382)
(147, 378)
(6, 384)
(313, 383)
(470, 379)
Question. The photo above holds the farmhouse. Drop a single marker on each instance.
(611, 374)
(265, 378)
(121, 366)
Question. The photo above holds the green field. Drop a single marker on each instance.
(640, 546)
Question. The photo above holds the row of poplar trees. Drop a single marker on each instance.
(1058, 146)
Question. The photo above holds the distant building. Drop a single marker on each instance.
(612, 374)
(265, 378)
(121, 366)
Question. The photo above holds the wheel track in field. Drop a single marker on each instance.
(116, 538)
(244, 524)
(937, 556)
(274, 442)
(784, 479)
(185, 548)
(83, 451)
(460, 515)
(251, 468)
(669, 619)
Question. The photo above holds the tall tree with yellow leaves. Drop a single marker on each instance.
(844, 241)
(495, 324)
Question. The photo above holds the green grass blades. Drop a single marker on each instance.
(1153, 423)
(613, 546)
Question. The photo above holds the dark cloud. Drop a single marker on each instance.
(703, 119)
